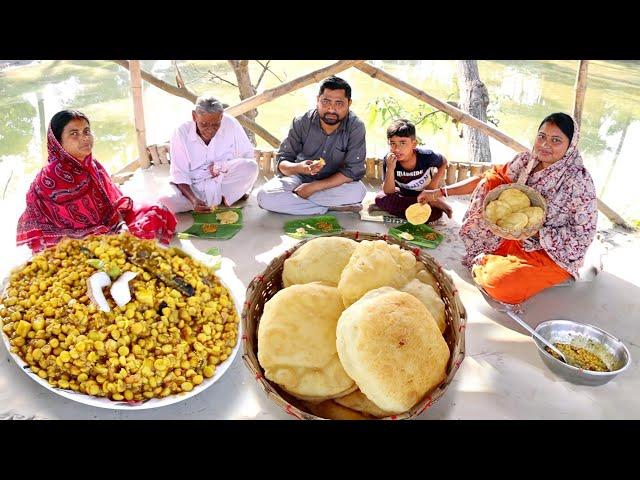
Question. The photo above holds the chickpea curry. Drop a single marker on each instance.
(580, 357)
(162, 342)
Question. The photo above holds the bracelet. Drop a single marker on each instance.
(443, 191)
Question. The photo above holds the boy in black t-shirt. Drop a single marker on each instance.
(407, 172)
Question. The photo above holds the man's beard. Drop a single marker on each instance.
(331, 120)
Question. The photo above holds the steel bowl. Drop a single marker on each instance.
(609, 348)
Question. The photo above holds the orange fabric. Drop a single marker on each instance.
(512, 275)
(496, 176)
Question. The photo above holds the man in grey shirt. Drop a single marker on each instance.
(320, 163)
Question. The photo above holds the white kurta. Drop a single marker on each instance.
(231, 152)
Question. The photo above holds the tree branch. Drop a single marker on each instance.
(179, 79)
(302, 81)
(189, 95)
(424, 117)
(215, 75)
(161, 84)
(265, 69)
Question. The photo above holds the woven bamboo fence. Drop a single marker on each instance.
(266, 160)
(159, 154)
(456, 171)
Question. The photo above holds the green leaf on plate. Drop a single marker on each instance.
(312, 226)
(423, 235)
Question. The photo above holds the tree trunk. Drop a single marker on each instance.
(138, 113)
(615, 157)
(43, 128)
(474, 99)
(241, 69)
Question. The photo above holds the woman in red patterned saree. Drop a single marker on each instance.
(73, 195)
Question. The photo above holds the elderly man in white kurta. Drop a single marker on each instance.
(212, 160)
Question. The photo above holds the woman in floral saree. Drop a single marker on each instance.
(512, 271)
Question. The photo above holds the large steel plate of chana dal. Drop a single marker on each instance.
(175, 337)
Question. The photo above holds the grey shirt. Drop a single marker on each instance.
(344, 150)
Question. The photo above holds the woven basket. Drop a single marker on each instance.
(536, 199)
(266, 285)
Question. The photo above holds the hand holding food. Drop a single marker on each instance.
(312, 167)
(418, 213)
(391, 161)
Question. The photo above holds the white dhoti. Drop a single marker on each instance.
(277, 196)
(236, 178)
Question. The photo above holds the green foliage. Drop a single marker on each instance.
(386, 109)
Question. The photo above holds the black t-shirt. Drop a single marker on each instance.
(412, 182)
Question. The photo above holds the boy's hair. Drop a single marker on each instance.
(336, 83)
(401, 128)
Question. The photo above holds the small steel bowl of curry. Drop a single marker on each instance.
(595, 356)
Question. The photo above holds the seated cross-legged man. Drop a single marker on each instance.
(212, 160)
(320, 163)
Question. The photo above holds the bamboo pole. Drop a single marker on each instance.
(580, 89)
(295, 84)
(456, 113)
(138, 113)
(123, 174)
(258, 130)
(613, 216)
(43, 128)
